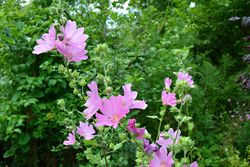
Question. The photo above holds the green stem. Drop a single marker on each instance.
(159, 128)
(71, 79)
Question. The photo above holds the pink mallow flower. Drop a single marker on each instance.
(71, 139)
(168, 82)
(113, 110)
(168, 98)
(94, 101)
(163, 141)
(186, 77)
(129, 98)
(47, 42)
(162, 159)
(194, 164)
(72, 42)
(85, 130)
(138, 132)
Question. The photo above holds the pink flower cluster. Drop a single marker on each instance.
(112, 110)
(70, 43)
(186, 77)
(168, 98)
(85, 130)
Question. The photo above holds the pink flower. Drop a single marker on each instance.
(194, 164)
(47, 42)
(186, 77)
(113, 110)
(162, 159)
(174, 135)
(71, 53)
(149, 148)
(71, 139)
(85, 130)
(138, 132)
(72, 35)
(130, 96)
(168, 83)
(73, 44)
(94, 101)
(168, 98)
(164, 142)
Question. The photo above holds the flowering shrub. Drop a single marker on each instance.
(111, 111)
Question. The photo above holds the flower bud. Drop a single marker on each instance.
(75, 74)
(61, 68)
(162, 113)
(72, 84)
(75, 91)
(82, 82)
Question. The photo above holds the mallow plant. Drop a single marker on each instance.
(104, 125)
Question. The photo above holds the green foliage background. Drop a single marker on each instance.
(155, 39)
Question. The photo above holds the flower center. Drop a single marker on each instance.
(116, 118)
(163, 164)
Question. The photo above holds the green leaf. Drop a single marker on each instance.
(24, 139)
(9, 153)
(118, 146)
(153, 117)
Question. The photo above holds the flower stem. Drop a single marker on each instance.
(159, 128)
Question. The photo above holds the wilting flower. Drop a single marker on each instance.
(194, 164)
(85, 130)
(71, 139)
(94, 101)
(162, 159)
(186, 77)
(72, 42)
(47, 42)
(113, 110)
(138, 132)
(168, 82)
(149, 148)
(130, 96)
(168, 98)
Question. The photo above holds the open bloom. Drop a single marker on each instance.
(94, 101)
(168, 98)
(73, 44)
(85, 130)
(71, 139)
(71, 53)
(113, 110)
(186, 77)
(130, 96)
(138, 132)
(47, 43)
(164, 141)
(168, 82)
(162, 159)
